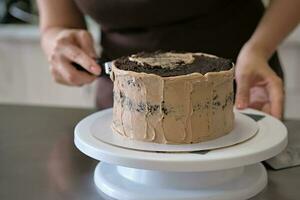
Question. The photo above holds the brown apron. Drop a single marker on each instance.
(219, 27)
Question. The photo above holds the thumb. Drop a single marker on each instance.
(243, 91)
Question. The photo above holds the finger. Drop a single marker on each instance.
(243, 91)
(276, 95)
(86, 43)
(258, 105)
(75, 54)
(56, 76)
(258, 93)
(71, 76)
(266, 108)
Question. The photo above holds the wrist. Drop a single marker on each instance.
(47, 36)
(50, 32)
(258, 49)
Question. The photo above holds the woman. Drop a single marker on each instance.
(233, 29)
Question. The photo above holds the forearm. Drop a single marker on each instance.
(280, 19)
(57, 15)
(62, 13)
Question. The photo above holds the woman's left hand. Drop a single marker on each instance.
(258, 86)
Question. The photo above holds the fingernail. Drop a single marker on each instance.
(241, 105)
(95, 69)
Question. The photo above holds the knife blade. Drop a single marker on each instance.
(105, 67)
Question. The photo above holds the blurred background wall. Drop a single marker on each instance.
(25, 78)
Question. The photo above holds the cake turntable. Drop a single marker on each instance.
(230, 173)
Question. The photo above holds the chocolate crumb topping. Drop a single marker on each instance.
(201, 64)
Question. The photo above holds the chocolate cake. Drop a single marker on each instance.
(172, 98)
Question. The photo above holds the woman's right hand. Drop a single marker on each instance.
(64, 47)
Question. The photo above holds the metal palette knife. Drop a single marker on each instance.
(105, 67)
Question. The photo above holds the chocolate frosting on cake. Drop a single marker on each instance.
(152, 103)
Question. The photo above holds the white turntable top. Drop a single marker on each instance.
(270, 139)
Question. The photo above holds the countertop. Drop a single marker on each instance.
(38, 159)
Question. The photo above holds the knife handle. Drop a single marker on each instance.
(98, 61)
